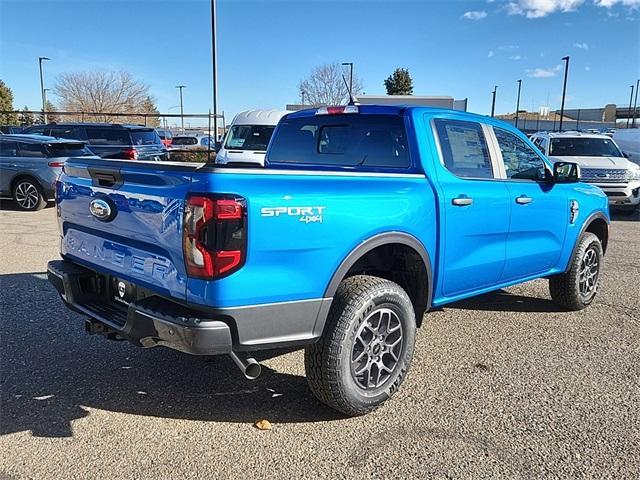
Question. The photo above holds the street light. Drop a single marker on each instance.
(45, 90)
(564, 89)
(635, 105)
(518, 104)
(493, 102)
(629, 111)
(350, 65)
(214, 67)
(40, 59)
(180, 87)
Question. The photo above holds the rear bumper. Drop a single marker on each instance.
(158, 321)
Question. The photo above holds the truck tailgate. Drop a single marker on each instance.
(140, 239)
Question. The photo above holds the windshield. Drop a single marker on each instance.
(144, 137)
(184, 141)
(249, 137)
(67, 150)
(583, 147)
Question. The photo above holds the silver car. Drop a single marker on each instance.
(30, 164)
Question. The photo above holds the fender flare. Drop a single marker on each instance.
(377, 241)
(590, 219)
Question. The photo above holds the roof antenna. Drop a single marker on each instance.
(351, 99)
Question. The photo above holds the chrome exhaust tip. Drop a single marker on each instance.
(250, 367)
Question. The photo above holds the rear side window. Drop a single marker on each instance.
(38, 131)
(184, 141)
(35, 150)
(108, 136)
(464, 148)
(65, 132)
(375, 141)
(67, 150)
(8, 149)
(145, 137)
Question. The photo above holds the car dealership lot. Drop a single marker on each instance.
(501, 385)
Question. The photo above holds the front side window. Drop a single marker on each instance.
(464, 149)
(65, 132)
(31, 150)
(372, 140)
(249, 137)
(583, 147)
(521, 162)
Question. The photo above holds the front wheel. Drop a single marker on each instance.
(366, 348)
(28, 195)
(576, 288)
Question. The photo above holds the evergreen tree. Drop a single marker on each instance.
(26, 119)
(6, 104)
(399, 83)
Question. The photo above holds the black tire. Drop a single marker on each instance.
(576, 288)
(359, 303)
(28, 195)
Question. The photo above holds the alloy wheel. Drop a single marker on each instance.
(377, 348)
(589, 271)
(27, 195)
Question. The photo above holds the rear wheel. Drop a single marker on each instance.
(28, 195)
(367, 346)
(576, 288)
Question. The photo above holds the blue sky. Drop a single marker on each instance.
(457, 48)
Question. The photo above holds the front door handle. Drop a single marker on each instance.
(462, 201)
(523, 200)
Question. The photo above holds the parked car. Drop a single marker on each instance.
(601, 161)
(249, 135)
(109, 140)
(165, 136)
(30, 164)
(10, 129)
(628, 139)
(188, 141)
(363, 219)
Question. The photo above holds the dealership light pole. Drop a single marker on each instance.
(518, 102)
(630, 102)
(564, 89)
(180, 87)
(635, 105)
(493, 102)
(214, 67)
(44, 112)
(350, 65)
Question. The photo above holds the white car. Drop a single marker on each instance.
(249, 136)
(191, 141)
(601, 163)
(628, 139)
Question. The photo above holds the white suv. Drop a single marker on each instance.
(601, 163)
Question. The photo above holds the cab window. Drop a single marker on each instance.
(521, 162)
(464, 148)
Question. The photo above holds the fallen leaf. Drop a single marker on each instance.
(263, 425)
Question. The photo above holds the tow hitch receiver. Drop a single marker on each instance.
(93, 327)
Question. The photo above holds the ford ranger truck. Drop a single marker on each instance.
(363, 219)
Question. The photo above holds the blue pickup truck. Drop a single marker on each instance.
(363, 219)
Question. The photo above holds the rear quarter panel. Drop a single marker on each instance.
(289, 259)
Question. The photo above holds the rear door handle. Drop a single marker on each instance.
(462, 201)
(523, 200)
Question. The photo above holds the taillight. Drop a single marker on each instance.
(56, 164)
(214, 235)
(130, 154)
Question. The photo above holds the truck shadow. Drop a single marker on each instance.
(53, 373)
(503, 301)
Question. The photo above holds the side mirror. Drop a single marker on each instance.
(625, 154)
(217, 146)
(566, 172)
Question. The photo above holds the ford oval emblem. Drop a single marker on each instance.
(101, 209)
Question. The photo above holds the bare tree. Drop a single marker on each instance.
(326, 86)
(104, 92)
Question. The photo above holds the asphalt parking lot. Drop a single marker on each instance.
(504, 385)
